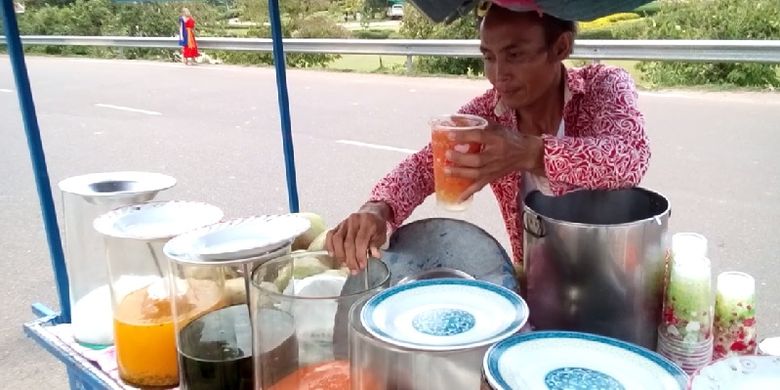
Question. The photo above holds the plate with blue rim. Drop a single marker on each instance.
(444, 314)
(558, 360)
(739, 372)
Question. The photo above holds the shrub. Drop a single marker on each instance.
(372, 34)
(648, 9)
(714, 19)
(315, 26)
(417, 26)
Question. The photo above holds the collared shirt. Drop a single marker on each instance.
(604, 146)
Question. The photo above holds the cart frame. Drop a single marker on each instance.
(82, 374)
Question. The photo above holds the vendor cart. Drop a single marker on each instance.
(83, 372)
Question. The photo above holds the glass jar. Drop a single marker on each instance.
(300, 308)
(141, 287)
(215, 346)
(84, 198)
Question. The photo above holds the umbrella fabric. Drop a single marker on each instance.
(578, 10)
(573, 9)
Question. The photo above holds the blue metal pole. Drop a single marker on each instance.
(36, 154)
(284, 104)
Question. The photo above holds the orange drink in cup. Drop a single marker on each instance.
(449, 188)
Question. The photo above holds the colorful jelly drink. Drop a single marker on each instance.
(449, 188)
(330, 375)
(144, 331)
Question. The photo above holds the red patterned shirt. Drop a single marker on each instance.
(604, 147)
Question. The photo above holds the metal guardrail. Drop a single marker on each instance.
(767, 51)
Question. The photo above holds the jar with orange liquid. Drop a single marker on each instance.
(450, 188)
(140, 284)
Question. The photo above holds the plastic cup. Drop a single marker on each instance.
(449, 188)
(688, 355)
(689, 245)
(735, 315)
(688, 308)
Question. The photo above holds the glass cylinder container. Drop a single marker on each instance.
(84, 198)
(141, 287)
(214, 347)
(300, 308)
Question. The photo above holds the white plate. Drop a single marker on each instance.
(157, 220)
(241, 238)
(739, 373)
(571, 360)
(444, 314)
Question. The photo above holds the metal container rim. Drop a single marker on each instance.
(666, 213)
(291, 256)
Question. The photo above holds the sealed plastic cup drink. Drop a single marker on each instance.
(449, 188)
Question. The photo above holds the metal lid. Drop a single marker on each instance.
(112, 184)
(156, 220)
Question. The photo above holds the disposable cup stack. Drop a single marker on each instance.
(685, 334)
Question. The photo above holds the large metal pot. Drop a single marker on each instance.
(594, 262)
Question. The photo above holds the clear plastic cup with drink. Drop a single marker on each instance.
(450, 188)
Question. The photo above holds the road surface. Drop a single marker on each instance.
(216, 130)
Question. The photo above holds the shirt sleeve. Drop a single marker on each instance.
(612, 150)
(407, 186)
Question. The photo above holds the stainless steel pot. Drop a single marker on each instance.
(594, 262)
(377, 365)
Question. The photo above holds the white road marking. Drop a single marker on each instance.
(375, 146)
(128, 109)
(6, 90)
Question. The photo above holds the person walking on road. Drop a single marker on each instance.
(187, 37)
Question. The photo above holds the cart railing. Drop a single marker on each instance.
(757, 51)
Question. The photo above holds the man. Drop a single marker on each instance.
(552, 129)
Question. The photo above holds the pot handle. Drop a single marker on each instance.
(533, 225)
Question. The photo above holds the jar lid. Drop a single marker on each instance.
(113, 184)
(238, 240)
(156, 220)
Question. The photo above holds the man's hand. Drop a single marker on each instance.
(350, 242)
(503, 152)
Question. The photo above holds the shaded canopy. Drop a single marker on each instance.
(578, 10)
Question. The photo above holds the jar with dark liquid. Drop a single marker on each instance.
(215, 347)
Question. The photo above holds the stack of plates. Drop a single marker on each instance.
(444, 314)
(571, 360)
(238, 239)
(739, 372)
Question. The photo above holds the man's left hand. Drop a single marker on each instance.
(503, 152)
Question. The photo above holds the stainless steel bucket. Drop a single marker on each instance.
(377, 365)
(594, 262)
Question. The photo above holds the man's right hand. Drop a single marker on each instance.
(350, 242)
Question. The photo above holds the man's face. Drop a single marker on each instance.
(517, 61)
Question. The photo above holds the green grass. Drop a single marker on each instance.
(630, 66)
(370, 64)
(366, 63)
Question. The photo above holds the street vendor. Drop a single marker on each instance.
(551, 129)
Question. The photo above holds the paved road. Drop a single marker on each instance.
(216, 130)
